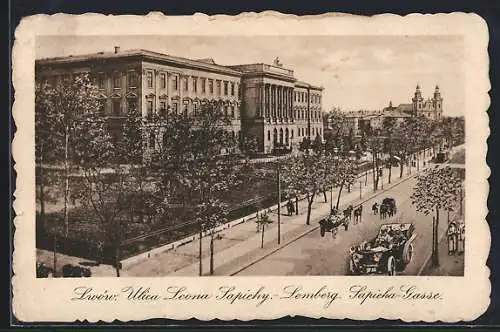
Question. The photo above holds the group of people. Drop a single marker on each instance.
(456, 238)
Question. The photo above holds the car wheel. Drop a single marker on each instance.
(352, 268)
(391, 266)
(408, 254)
(322, 231)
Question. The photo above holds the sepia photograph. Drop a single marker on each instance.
(254, 166)
(228, 156)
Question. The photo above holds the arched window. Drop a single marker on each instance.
(292, 134)
(275, 135)
(268, 135)
(281, 135)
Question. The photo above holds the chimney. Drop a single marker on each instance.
(117, 49)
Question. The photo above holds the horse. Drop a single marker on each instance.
(383, 211)
(348, 212)
(357, 214)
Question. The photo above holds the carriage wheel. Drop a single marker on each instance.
(322, 231)
(391, 266)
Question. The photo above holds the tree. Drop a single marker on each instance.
(197, 157)
(345, 175)
(58, 108)
(262, 222)
(436, 190)
(102, 184)
(336, 127)
(388, 127)
(306, 177)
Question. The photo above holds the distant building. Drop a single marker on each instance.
(430, 108)
(265, 101)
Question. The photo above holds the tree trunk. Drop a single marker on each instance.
(401, 165)
(66, 182)
(435, 253)
(310, 199)
(200, 272)
(340, 191)
(390, 168)
(324, 195)
(296, 205)
(262, 237)
(41, 221)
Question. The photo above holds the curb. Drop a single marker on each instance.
(358, 202)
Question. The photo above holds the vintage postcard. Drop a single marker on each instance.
(251, 167)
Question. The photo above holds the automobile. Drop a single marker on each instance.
(388, 253)
(332, 224)
(74, 271)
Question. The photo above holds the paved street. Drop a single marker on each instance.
(316, 255)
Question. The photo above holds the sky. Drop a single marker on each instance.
(357, 72)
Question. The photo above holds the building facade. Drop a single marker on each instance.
(263, 101)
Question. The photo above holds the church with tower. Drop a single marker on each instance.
(431, 108)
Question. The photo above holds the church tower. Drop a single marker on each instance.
(417, 101)
(437, 103)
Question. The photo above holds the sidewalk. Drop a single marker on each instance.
(449, 265)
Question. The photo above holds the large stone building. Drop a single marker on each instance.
(263, 101)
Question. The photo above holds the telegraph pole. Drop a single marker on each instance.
(279, 203)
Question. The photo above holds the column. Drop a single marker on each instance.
(273, 100)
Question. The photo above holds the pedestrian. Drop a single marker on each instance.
(375, 208)
(461, 238)
(452, 238)
(292, 207)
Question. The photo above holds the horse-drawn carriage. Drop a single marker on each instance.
(332, 223)
(390, 251)
(388, 208)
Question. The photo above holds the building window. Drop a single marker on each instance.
(218, 88)
(116, 107)
(195, 108)
(175, 108)
(150, 108)
(239, 91)
(225, 88)
(163, 81)
(292, 134)
(268, 135)
(176, 83)
(185, 111)
(225, 111)
(185, 83)
(232, 112)
(149, 79)
(211, 86)
(132, 79)
(116, 81)
(203, 85)
(100, 81)
(232, 89)
(132, 105)
(163, 108)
